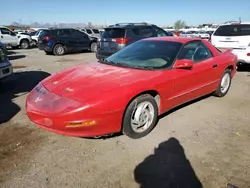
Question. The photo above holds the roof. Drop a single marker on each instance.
(235, 23)
(174, 39)
(129, 25)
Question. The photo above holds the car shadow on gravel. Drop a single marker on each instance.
(18, 84)
(15, 57)
(168, 167)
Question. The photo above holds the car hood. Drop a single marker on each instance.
(89, 80)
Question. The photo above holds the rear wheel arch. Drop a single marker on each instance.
(59, 43)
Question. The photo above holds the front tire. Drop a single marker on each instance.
(59, 50)
(93, 47)
(25, 44)
(224, 85)
(140, 117)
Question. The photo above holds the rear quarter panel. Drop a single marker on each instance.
(223, 59)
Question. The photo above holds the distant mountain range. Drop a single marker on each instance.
(46, 25)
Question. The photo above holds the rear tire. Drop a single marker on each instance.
(59, 50)
(224, 85)
(140, 117)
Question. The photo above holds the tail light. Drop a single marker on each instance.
(122, 40)
(46, 38)
(248, 54)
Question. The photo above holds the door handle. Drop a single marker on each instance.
(215, 65)
(1, 36)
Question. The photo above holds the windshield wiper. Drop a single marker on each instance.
(126, 65)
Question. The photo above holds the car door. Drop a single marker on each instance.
(82, 39)
(198, 81)
(8, 37)
(64, 36)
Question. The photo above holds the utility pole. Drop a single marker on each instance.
(240, 19)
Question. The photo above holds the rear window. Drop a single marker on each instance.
(233, 30)
(113, 33)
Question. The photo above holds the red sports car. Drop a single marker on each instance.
(127, 91)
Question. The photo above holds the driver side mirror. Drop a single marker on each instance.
(183, 64)
(13, 34)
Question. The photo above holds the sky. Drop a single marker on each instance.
(160, 12)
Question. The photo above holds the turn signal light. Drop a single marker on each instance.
(81, 124)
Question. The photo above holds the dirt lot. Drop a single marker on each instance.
(205, 142)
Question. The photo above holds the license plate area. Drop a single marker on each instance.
(105, 44)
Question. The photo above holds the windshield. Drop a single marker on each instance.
(146, 54)
(96, 31)
(233, 30)
(113, 33)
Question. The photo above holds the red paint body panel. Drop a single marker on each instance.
(100, 92)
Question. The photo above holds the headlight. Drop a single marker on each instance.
(42, 100)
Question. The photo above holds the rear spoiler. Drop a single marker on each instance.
(227, 51)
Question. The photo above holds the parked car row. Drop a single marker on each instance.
(196, 34)
(15, 40)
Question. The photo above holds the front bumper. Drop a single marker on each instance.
(41, 110)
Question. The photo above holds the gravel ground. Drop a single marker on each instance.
(203, 143)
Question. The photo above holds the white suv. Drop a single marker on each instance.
(235, 36)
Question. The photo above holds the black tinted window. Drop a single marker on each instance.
(113, 33)
(77, 33)
(63, 32)
(147, 32)
(147, 53)
(96, 31)
(49, 33)
(160, 32)
(88, 31)
(233, 30)
(5, 31)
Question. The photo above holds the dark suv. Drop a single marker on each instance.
(59, 41)
(116, 37)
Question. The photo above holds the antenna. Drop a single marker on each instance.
(240, 19)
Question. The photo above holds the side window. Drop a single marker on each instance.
(201, 53)
(160, 32)
(195, 51)
(5, 31)
(188, 50)
(64, 32)
(146, 32)
(88, 31)
(136, 31)
(77, 33)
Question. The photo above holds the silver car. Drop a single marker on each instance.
(5, 65)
